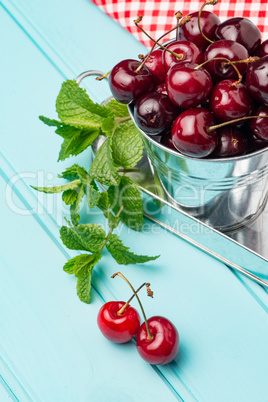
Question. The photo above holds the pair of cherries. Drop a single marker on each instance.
(157, 339)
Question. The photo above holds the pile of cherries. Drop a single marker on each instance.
(157, 339)
(198, 93)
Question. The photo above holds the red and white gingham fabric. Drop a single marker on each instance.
(158, 15)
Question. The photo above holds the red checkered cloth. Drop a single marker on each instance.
(159, 15)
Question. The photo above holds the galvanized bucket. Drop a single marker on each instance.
(225, 193)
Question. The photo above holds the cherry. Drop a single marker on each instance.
(154, 113)
(188, 51)
(259, 126)
(190, 133)
(231, 142)
(229, 101)
(255, 143)
(191, 32)
(127, 84)
(188, 85)
(230, 50)
(156, 66)
(116, 326)
(263, 49)
(166, 140)
(161, 88)
(240, 30)
(162, 346)
(257, 80)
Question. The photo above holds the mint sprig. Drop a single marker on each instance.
(80, 122)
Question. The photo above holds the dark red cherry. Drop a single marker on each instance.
(259, 126)
(190, 31)
(240, 30)
(186, 49)
(161, 89)
(156, 66)
(232, 51)
(154, 113)
(229, 102)
(187, 86)
(126, 84)
(255, 143)
(231, 142)
(166, 140)
(257, 80)
(263, 49)
(190, 133)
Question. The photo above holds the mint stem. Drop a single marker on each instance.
(110, 231)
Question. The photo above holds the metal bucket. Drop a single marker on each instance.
(225, 193)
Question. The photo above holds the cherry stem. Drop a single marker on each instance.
(122, 309)
(149, 335)
(249, 60)
(178, 16)
(212, 128)
(207, 3)
(156, 42)
(229, 62)
(103, 76)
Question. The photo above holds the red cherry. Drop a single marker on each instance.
(191, 135)
(240, 30)
(190, 31)
(187, 86)
(232, 51)
(231, 142)
(164, 345)
(257, 80)
(127, 84)
(263, 49)
(188, 51)
(156, 66)
(229, 102)
(259, 126)
(118, 328)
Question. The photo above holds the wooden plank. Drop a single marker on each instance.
(223, 328)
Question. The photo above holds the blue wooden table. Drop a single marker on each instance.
(50, 345)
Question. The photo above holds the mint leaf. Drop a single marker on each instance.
(128, 195)
(103, 168)
(87, 237)
(75, 108)
(78, 141)
(82, 266)
(50, 122)
(127, 145)
(118, 109)
(75, 207)
(69, 197)
(58, 189)
(113, 221)
(93, 196)
(103, 203)
(83, 286)
(121, 253)
(71, 173)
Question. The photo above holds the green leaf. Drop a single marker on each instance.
(127, 145)
(113, 221)
(93, 196)
(50, 122)
(83, 286)
(118, 109)
(77, 142)
(75, 108)
(75, 207)
(58, 189)
(71, 173)
(121, 253)
(69, 197)
(87, 237)
(128, 195)
(103, 168)
(82, 266)
(103, 203)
